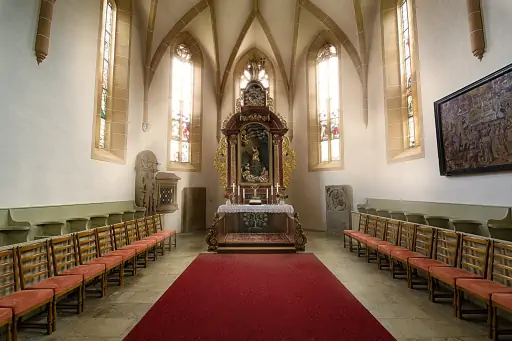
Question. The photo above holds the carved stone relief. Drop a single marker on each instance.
(146, 166)
(338, 203)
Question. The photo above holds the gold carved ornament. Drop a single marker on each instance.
(300, 236)
(289, 162)
(212, 237)
(220, 162)
(254, 117)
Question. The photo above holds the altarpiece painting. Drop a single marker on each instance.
(474, 126)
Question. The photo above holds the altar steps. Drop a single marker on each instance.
(256, 249)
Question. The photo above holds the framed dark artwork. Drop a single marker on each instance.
(255, 155)
(474, 126)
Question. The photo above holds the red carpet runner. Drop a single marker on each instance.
(258, 297)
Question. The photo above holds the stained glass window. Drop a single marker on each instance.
(328, 103)
(106, 69)
(181, 104)
(404, 26)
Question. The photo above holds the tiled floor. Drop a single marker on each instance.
(407, 314)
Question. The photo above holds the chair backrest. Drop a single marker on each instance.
(131, 231)
(64, 254)
(120, 236)
(142, 231)
(34, 263)
(446, 246)
(158, 222)
(86, 245)
(474, 254)
(105, 240)
(424, 240)
(8, 272)
(406, 235)
(150, 225)
(363, 221)
(371, 226)
(501, 263)
(392, 230)
(380, 231)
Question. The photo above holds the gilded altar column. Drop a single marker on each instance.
(476, 28)
(278, 160)
(232, 159)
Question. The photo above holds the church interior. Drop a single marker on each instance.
(256, 170)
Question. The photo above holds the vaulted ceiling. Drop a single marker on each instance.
(282, 29)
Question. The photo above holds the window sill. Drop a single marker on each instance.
(182, 167)
(408, 155)
(104, 155)
(326, 166)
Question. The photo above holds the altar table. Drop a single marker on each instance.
(256, 209)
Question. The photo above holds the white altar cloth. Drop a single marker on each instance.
(255, 209)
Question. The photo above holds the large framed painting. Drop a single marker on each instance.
(255, 155)
(474, 126)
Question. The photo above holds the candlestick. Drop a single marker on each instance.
(238, 190)
(243, 195)
(233, 188)
(272, 190)
(267, 196)
(277, 188)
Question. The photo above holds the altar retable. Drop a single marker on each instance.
(255, 162)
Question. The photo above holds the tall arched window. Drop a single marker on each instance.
(328, 102)
(402, 86)
(325, 119)
(185, 105)
(182, 103)
(107, 68)
(110, 122)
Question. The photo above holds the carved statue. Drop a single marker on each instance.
(146, 167)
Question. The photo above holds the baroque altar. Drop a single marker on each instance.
(255, 163)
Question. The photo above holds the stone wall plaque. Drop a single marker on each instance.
(338, 208)
(146, 166)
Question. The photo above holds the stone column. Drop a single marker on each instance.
(44, 30)
(476, 28)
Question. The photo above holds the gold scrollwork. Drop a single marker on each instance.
(220, 162)
(212, 237)
(282, 120)
(225, 122)
(270, 103)
(254, 117)
(300, 236)
(238, 105)
(289, 161)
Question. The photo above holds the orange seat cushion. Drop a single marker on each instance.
(386, 248)
(449, 275)
(483, 288)
(424, 263)
(126, 254)
(344, 231)
(363, 237)
(86, 271)
(5, 315)
(59, 284)
(374, 243)
(158, 237)
(169, 233)
(25, 300)
(404, 255)
(137, 247)
(504, 300)
(148, 242)
(110, 261)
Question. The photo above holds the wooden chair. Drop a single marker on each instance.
(391, 239)
(142, 234)
(421, 248)
(363, 219)
(87, 248)
(133, 237)
(371, 228)
(500, 277)
(65, 262)
(151, 230)
(372, 244)
(121, 243)
(35, 273)
(16, 304)
(445, 249)
(405, 244)
(471, 263)
(106, 248)
(167, 233)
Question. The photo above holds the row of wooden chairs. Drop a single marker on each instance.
(39, 275)
(468, 265)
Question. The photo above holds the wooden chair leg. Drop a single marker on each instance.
(49, 318)
(457, 302)
(489, 319)
(121, 274)
(54, 315)
(15, 328)
(494, 323)
(134, 266)
(79, 292)
(9, 331)
(409, 277)
(379, 264)
(431, 288)
(392, 267)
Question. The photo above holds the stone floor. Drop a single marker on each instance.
(407, 314)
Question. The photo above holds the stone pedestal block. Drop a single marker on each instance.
(338, 208)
